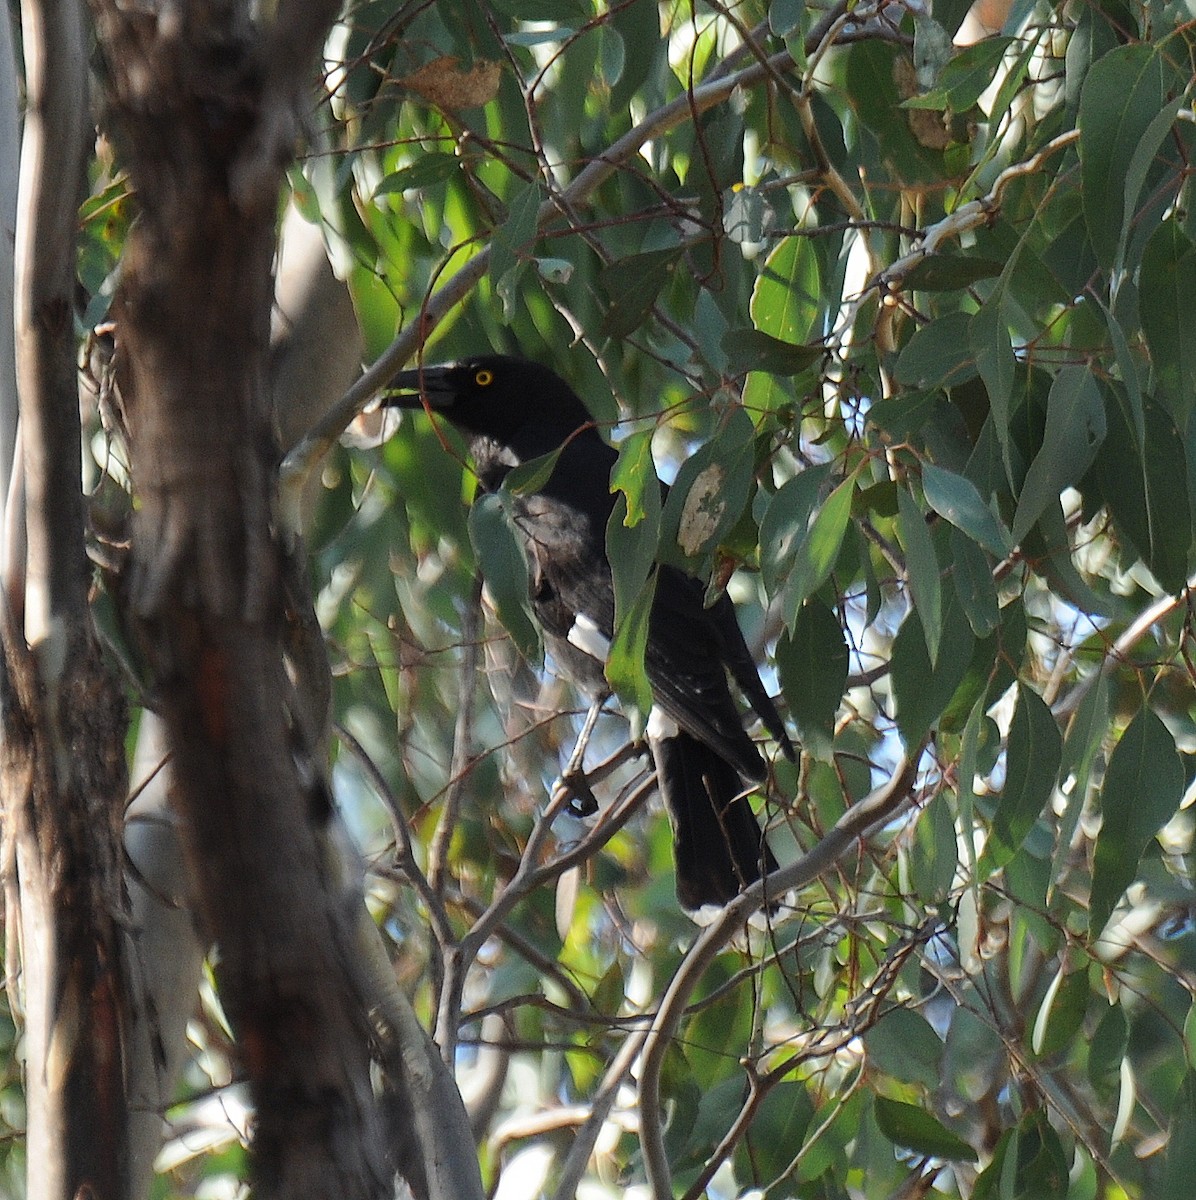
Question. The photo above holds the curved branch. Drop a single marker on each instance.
(878, 806)
(528, 877)
(586, 1137)
(1121, 648)
(953, 226)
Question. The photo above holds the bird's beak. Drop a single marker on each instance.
(409, 389)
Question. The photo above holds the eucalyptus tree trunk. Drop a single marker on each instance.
(204, 107)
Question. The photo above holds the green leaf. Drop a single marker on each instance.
(903, 1045)
(625, 662)
(711, 489)
(512, 242)
(632, 285)
(427, 170)
(634, 474)
(638, 26)
(1075, 429)
(530, 477)
(914, 1129)
(949, 272)
(1107, 1048)
(784, 16)
(1048, 546)
(1031, 764)
(612, 56)
(956, 498)
(921, 691)
(544, 10)
(1143, 785)
(922, 570)
(504, 568)
(746, 214)
(306, 199)
(631, 549)
(539, 37)
(938, 355)
(785, 298)
(1140, 164)
(934, 854)
(815, 556)
(778, 1127)
(972, 577)
(813, 660)
(1147, 492)
(932, 48)
(1122, 95)
(611, 990)
(1083, 739)
(786, 523)
(755, 350)
(1180, 1167)
(1061, 1012)
(553, 270)
(1029, 1163)
(964, 77)
(988, 336)
(1164, 299)
(1128, 368)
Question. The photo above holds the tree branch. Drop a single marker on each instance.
(877, 807)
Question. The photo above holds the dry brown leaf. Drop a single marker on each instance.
(443, 84)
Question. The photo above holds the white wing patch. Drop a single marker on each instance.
(588, 638)
(660, 724)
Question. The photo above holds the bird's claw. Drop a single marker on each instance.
(582, 801)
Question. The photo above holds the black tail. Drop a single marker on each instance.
(717, 842)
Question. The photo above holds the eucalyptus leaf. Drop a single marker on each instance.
(1122, 94)
(1143, 785)
(1075, 429)
(915, 1129)
(1033, 756)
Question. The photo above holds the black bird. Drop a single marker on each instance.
(513, 410)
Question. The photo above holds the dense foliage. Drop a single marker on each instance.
(903, 322)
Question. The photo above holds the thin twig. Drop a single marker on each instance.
(1121, 648)
(582, 1147)
(528, 877)
(953, 226)
(404, 842)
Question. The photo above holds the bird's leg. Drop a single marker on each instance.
(573, 779)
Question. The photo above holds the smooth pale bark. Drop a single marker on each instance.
(62, 767)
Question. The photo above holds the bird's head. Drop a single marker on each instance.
(492, 395)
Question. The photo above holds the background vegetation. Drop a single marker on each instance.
(902, 312)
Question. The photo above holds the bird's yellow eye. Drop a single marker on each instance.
(483, 378)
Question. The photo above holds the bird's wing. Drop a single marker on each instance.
(746, 673)
(686, 665)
